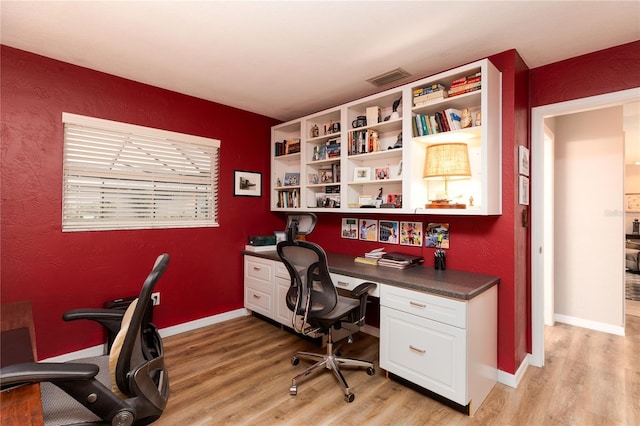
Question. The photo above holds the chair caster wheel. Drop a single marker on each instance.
(293, 390)
(338, 353)
(295, 360)
(371, 371)
(349, 397)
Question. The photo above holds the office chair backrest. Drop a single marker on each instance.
(312, 291)
(131, 356)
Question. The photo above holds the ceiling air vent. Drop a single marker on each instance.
(388, 77)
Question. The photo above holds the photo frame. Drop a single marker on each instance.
(411, 234)
(523, 160)
(523, 190)
(349, 228)
(433, 231)
(382, 173)
(388, 231)
(247, 184)
(368, 230)
(362, 174)
(632, 203)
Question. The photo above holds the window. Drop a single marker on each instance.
(122, 176)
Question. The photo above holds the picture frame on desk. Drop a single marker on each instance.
(247, 183)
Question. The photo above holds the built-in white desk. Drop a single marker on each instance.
(438, 329)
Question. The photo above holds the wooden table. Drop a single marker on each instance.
(20, 405)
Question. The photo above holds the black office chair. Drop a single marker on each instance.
(315, 303)
(130, 386)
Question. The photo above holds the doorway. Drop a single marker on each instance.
(542, 232)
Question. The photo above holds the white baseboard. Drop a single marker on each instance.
(513, 380)
(591, 325)
(164, 332)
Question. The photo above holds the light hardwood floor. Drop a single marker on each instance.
(238, 373)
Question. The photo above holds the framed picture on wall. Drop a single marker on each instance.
(523, 190)
(523, 160)
(247, 184)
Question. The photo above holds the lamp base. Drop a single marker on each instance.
(444, 205)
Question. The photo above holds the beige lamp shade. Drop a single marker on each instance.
(447, 161)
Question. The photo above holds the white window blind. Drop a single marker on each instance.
(123, 176)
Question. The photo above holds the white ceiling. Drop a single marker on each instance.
(286, 59)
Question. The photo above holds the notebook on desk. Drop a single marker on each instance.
(403, 257)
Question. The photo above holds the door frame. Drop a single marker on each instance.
(539, 205)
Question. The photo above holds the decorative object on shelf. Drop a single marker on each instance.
(398, 143)
(360, 121)
(523, 160)
(446, 161)
(394, 109)
(313, 179)
(362, 174)
(278, 183)
(523, 190)
(478, 119)
(350, 228)
(315, 131)
(366, 201)
(437, 235)
(465, 118)
(411, 234)
(335, 127)
(247, 184)
(326, 176)
(382, 173)
(291, 179)
(374, 140)
(636, 227)
(373, 115)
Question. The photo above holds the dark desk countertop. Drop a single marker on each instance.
(449, 283)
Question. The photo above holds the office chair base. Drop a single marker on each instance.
(332, 362)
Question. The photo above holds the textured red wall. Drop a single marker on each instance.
(604, 71)
(57, 271)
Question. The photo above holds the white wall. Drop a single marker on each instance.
(589, 220)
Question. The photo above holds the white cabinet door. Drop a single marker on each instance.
(425, 352)
(258, 285)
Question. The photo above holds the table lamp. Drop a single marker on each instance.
(446, 161)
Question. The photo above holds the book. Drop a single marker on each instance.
(366, 260)
(435, 87)
(396, 256)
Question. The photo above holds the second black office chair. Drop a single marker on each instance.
(316, 305)
(130, 386)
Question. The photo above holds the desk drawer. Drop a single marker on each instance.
(437, 308)
(257, 268)
(349, 283)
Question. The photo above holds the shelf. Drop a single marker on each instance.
(484, 142)
(375, 182)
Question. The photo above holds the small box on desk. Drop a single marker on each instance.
(262, 240)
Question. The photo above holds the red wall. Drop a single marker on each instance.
(605, 71)
(58, 271)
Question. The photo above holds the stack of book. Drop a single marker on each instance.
(400, 260)
(371, 258)
(424, 95)
(465, 85)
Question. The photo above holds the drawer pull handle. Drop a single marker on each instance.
(255, 268)
(343, 284)
(255, 296)
(420, 351)
(417, 305)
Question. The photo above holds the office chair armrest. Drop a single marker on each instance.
(35, 372)
(99, 315)
(362, 289)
